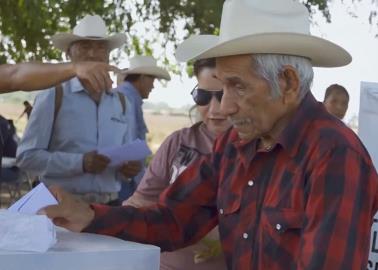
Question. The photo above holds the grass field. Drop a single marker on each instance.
(160, 126)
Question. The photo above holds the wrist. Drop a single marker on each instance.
(71, 67)
(88, 216)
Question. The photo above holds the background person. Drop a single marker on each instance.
(69, 123)
(336, 100)
(136, 84)
(33, 76)
(28, 109)
(175, 154)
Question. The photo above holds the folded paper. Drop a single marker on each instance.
(33, 201)
(136, 150)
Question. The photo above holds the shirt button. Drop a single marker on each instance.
(278, 227)
(250, 183)
(221, 211)
(245, 235)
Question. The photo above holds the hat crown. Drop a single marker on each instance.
(245, 17)
(91, 26)
(142, 61)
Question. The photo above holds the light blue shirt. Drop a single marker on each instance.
(55, 152)
(137, 130)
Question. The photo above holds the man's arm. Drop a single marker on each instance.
(185, 213)
(34, 76)
(342, 193)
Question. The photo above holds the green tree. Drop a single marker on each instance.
(26, 26)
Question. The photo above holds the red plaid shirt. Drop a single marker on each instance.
(308, 203)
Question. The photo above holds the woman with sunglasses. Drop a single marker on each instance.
(179, 150)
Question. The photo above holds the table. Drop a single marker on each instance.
(83, 251)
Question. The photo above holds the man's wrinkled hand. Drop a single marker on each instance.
(95, 163)
(95, 75)
(130, 169)
(70, 212)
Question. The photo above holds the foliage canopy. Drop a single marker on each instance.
(26, 26)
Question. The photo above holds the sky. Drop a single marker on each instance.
(355, 34)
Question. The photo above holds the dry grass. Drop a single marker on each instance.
(160, 126)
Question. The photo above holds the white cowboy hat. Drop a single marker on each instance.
(145, 65)
(264, 26)
(89, 28)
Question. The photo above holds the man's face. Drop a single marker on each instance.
(89, 50)
(337, 103)
(247, 100)
(145, 85)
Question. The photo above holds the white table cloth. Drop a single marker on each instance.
(82, 251)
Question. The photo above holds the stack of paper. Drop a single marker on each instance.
(21, 229)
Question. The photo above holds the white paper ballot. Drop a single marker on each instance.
(23, 232)
(136, 150)
(33, 201)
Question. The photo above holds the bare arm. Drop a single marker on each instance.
(33, 76)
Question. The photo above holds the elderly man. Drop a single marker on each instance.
(136, 83)
(290, 186)
(69, 123)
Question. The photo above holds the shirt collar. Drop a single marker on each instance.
(290, 138)
(293, 135)
(76, 86)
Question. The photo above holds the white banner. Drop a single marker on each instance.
(368, 133)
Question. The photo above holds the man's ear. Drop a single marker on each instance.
(290, 84)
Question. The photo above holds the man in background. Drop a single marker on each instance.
(69, 123)
(33, 76)
(136, 85)
(336, 100)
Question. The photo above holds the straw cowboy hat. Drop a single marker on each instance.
(145, 65)
(91, 27)
(264, 26)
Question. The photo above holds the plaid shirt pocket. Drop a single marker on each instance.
(279, 236)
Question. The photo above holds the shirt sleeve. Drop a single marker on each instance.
(157, 176)
(32, 152)
(185, 213)
(132, 130)
(338, 216)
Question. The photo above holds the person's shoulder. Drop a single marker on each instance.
(45, 94)
(331, 133)
(182, 135)
(195, 132)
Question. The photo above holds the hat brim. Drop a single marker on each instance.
(152, 71)
(321, 52)
(62, 41)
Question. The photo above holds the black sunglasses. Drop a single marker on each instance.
(203, 97)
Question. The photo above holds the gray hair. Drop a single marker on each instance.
(269, 66)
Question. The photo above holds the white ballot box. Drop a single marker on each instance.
(83, 251)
